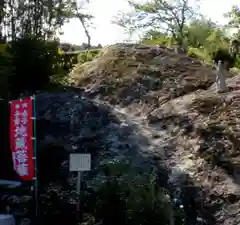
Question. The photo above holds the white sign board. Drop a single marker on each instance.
(80, 162)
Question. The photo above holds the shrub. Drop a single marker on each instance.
(31, 61)
(237, 62)
(192, 52)
(200, 53)
(87, 56)
(3, 48)
(6, 167)
(162, 40)
(4, 71)
(123, 196)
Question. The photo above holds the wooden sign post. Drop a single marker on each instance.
(79, 163)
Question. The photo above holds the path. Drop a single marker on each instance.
(162, 144)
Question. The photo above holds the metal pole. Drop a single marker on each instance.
(78, 190)
(35, 157)
(78, 194)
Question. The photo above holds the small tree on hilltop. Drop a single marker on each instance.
(170, 17)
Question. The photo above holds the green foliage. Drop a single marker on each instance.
(163, 15)
(126, 197)
(30, 64)
(198, 31)
(87, 56)
(31, 61)
(201, 37)
(192, 52)
(204, 38)
(200, 53)
(153, 37)
(62, 67)
(40, 18)
(163, 40)
(237, 64)
(234, 17)
(216, 40)
(176, 23)
(4, 72)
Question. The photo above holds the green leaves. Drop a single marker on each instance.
(130, 197)
(40, 18)
(158, 14)
(234, 17)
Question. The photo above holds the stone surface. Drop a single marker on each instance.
(138, 108)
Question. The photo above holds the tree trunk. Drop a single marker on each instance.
(85, 30)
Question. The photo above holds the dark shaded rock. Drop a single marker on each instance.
(6, 171)
(152, 119)
(68, 123)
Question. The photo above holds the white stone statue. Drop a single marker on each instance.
(221, 77)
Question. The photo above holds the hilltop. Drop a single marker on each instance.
(173, 98)
(141, 75)
(67, 47)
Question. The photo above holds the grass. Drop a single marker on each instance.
(123, 196)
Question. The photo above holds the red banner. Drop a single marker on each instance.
(21, 133)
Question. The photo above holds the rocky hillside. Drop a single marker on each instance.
(121, 178)
(138, 74)
(189, 126)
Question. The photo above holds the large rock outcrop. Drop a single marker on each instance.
(78, 124)
(149, 108)
(70, 123)
(176, 96)
(140, 75)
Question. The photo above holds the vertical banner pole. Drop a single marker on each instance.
(78, 191)
(23, 144)
(35, 157)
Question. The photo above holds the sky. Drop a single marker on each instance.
(106, 33)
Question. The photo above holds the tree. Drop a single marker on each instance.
(234, 20)
(154, 34)
(84, 18)
(234, 17)
(156, 37)
(41, 18)
(163, 15)
(33, 17)
(55, 14)
(2, 3)
(198, 31)
(216, 40)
